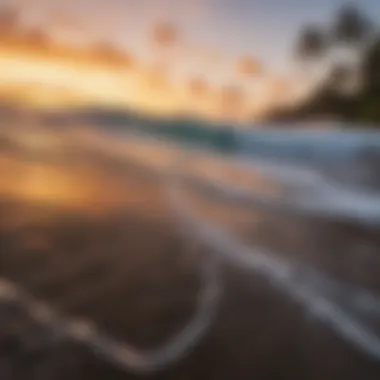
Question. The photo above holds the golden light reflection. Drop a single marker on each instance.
(64, 186)
(39, 167)
(34, 182)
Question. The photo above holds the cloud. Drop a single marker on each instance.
(107, 53)
(249, 67)
(9, 20)
(165, 34)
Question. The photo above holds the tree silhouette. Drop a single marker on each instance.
(371, 72)
(312, 44)
(339, 77)
(352, 30)
(352, 27)
(351, 90)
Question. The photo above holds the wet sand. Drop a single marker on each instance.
(107, 247)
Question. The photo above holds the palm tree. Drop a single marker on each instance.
(352, 87)
(352, 27)
(312, 48)
(340, 78)
(353, 31)
(371, 73)
(312, 44)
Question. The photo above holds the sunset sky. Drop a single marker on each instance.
(236, 51)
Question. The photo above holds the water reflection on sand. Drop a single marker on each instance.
(60, 168)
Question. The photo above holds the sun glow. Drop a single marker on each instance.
(45, 74)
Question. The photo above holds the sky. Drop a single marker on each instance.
(265, 29)
(211, 36)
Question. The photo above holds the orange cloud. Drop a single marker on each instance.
(9, 21)
(108, 54)
(165, 34)
(248, 67)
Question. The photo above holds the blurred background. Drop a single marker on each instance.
(226, 61)
(190, 190)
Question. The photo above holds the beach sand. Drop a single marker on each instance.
(96, 239)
